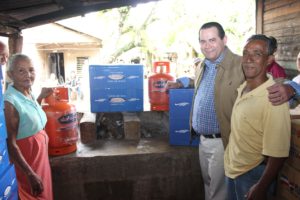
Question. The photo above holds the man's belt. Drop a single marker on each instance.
(211, 136)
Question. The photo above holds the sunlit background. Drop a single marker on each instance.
(155, 31)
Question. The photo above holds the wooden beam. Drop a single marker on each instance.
(288, 9)
(269, 5)
(259, 16)
(6, 5)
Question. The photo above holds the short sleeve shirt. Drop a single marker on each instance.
(32, 117)
(257, 128)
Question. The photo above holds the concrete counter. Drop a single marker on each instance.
(123, 169)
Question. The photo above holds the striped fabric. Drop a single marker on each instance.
(204, 119)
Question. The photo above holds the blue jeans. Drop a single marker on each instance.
(239, 187)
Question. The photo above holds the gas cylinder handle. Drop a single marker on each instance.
(56, 94)
(164, 66)
(61, 94)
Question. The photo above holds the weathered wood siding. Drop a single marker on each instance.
(281, 19)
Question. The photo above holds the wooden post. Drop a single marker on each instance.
(259, 16)
(15, 43)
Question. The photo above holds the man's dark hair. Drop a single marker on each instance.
(273, 44)
(216, 25)
(269, 42)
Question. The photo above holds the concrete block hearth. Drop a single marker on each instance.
(148, 169)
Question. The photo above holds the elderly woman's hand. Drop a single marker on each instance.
(45, 93)
(36, 184)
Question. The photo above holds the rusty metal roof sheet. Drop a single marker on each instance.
(20, 14)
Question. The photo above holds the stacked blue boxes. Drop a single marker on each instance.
(8, 181)
(8, 186)
(179, 115)
(116, 88)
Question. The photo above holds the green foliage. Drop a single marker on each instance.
(172, 26)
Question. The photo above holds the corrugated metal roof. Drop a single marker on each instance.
(20, 14)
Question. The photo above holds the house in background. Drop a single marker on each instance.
(60, 50)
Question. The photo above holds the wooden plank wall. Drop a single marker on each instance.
(281, 19)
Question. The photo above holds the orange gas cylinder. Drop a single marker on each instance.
(61, 124)
(158, 95)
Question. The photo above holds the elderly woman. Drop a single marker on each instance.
(27, 140)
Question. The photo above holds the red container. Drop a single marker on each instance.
(61, 124)
(158, 95)
(60, 95)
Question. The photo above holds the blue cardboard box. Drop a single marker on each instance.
(1, 98)
(179, 116)
(8, 182)
(3, 134)
(116, 76)
(116, 88)
(117, 100)
(8, 186)
(4, 158)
